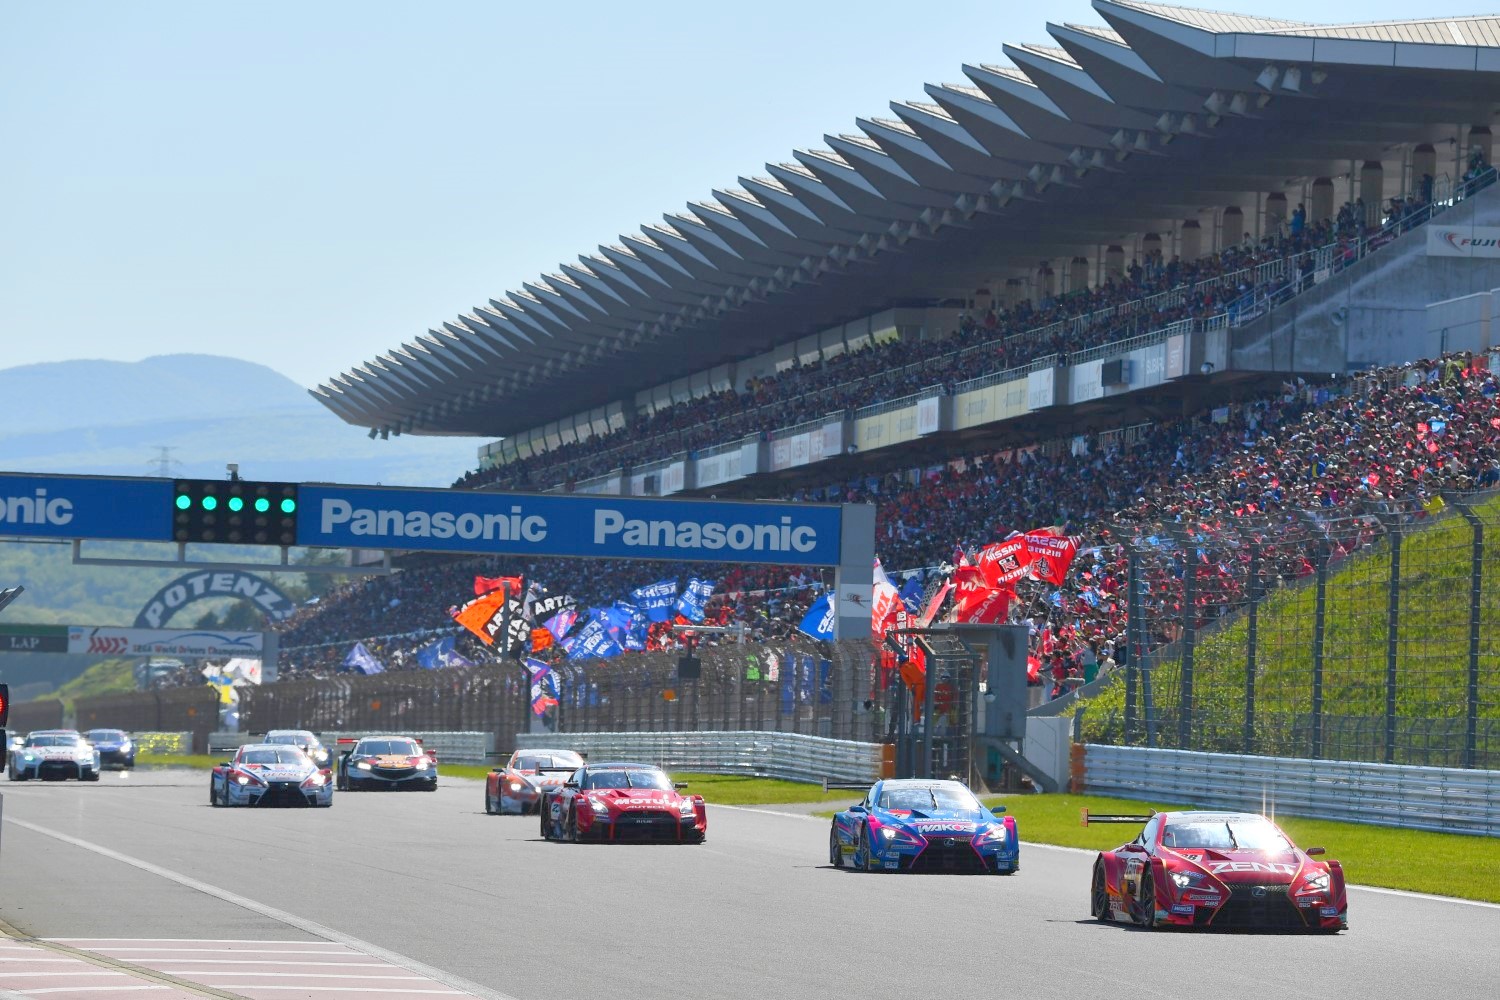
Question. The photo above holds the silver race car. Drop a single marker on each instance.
(309, 742)
(55, 754)
(269, 774)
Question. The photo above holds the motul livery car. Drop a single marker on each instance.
(115, 747)
(1216, 869)
(54, 754)
(264, 774)
(911, 824)
(614, 802)
(387, 763)
(517, 787)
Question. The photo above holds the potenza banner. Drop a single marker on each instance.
(162, 642)
(1463, 241)
(601, 527)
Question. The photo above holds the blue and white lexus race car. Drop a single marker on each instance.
(265, 774)
(925, 826)
(114, 745)
(54, 754)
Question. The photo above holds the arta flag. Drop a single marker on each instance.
(482, 616)
(1003, 563)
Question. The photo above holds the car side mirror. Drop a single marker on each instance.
(679, 785)
(1314, 852)
(226, 763)
(997, 811)
(857, 809)
(570, 784)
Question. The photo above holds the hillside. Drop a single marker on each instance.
(111, 418)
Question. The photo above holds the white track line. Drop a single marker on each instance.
(252, 961)
(93, 989)
(337, 989)
(458, 983)
(290, 975)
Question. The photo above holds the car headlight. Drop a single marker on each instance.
(240, 779)
(363, 765)
(994, 833)
(514, 786)
(28, 757)
(315, 781)
(125, 747)
(687, 807)
(896, 835)
(422, 764)
(1184, 880)
(600, 807)
(1315, 883)
(320, 755)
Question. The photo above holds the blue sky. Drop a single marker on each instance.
(307, 185)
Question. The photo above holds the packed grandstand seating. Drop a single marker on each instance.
(994, 341)
(1384, 441)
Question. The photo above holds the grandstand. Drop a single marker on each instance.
(1172, 270)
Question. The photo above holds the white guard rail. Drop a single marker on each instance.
(453, 748)
(791, 756)
(1445, 799)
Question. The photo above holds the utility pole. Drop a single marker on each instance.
(165, 465)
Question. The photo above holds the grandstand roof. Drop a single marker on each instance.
(1107, 132)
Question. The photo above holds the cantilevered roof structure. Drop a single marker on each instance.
(1063, 148)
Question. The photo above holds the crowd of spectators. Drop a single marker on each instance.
(1150, 295)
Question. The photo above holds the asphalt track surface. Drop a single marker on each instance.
(429, 883)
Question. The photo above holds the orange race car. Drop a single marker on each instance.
(517, 787)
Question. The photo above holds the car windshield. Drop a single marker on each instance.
(51, 741)
(929, 798)
(105, 736)
(557, 762)
(274, 755)
(390, 748)
(1229, 833)
(633, 778)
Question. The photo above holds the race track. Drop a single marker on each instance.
(480, 904)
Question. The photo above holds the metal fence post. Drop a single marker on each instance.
(1134, 643)
(1320, 620)
(1251, 638)
(1392, 636)
(1476, 589)
(1189, 634)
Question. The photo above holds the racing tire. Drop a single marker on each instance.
(546, 827)
(835, 849)
(1148, 899)
(18, 776)
(864, 858)
(572, 835)
(432, 787)
(1099, 895)
(213, 794)
(489, 803)
(89, 776)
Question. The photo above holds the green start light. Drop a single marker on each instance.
(236, 503)
(209, 503)
(262, 504)
(184, 501)
(288, 505)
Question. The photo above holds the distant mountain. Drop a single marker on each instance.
(112, 417)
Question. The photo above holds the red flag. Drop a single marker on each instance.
(1003, 563)
(970, 588)
(540, 639)
(935, 605)
(1051, 555)
(990, 611)
(485, 584)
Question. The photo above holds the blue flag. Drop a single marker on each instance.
(694, 598)
(544, 689)
(818, 622)
(911, 594)
(441, 653)
(656, 599)
(363, 660)
(593, 640)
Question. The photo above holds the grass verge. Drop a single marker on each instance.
(1444, 864)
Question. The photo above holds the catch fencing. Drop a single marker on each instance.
(1372, 634)
(1451, 800)
(791, 756)
(452, 748)
(188, 709)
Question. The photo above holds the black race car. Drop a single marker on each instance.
(386, 762)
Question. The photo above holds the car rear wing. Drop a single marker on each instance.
(1090, 819)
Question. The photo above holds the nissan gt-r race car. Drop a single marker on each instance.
(388, 763)
(54, 754)
(1216, 869)
(264, 774)
(309, 743)
(615, 802)
(921, 825)
(517, 787)
(115, 747)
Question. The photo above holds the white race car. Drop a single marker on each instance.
(267, 774)
(54, 754)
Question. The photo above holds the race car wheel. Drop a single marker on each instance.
(864, 858)
(573, 835)
(89, 776)
(1148, 899)
(340, 783)
(489, 803)
(835, 849)
(213, 793)
(1099, 896)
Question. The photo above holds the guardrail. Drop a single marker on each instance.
(790, 756)
(451, 748)
(1444, 799)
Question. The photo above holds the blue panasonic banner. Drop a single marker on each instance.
(592, 526)
(85, 507)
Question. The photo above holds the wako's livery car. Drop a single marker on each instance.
(308, 742)
(115, 747)
(264, 774)
(54, 754)
(387, 762)
(517, 787)
(1216, 869)
(922, 825)
(622, 802)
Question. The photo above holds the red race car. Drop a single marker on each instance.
(517, 787)
(613, 802)
(1216, 869)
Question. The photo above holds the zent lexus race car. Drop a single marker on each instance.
(517, 787)
(919, 825)
(263, 774)
(115, 747)
(309, 743)
(615, 802)
(387, 762)
(54, 754)
(1216, 869)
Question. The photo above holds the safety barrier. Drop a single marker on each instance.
(790, 756)
(1446, 799)
(451, 748)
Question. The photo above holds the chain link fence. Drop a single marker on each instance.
(1372, 634)
(179, 710)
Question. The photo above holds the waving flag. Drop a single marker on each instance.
(911, 593)
(482, 616)
(561, 623)
(818, 622)
(363, 660)
(656, 599)
(1004, 563)
(542, 609)
(593, 640)
(694, 598)
(438, 654)
(1051, 555)
(487, 584)
(543, 686)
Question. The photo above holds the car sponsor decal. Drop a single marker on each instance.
(891, 866)
(1182, 908)
(1270, 867)
(944, 827)
(1328, 911)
